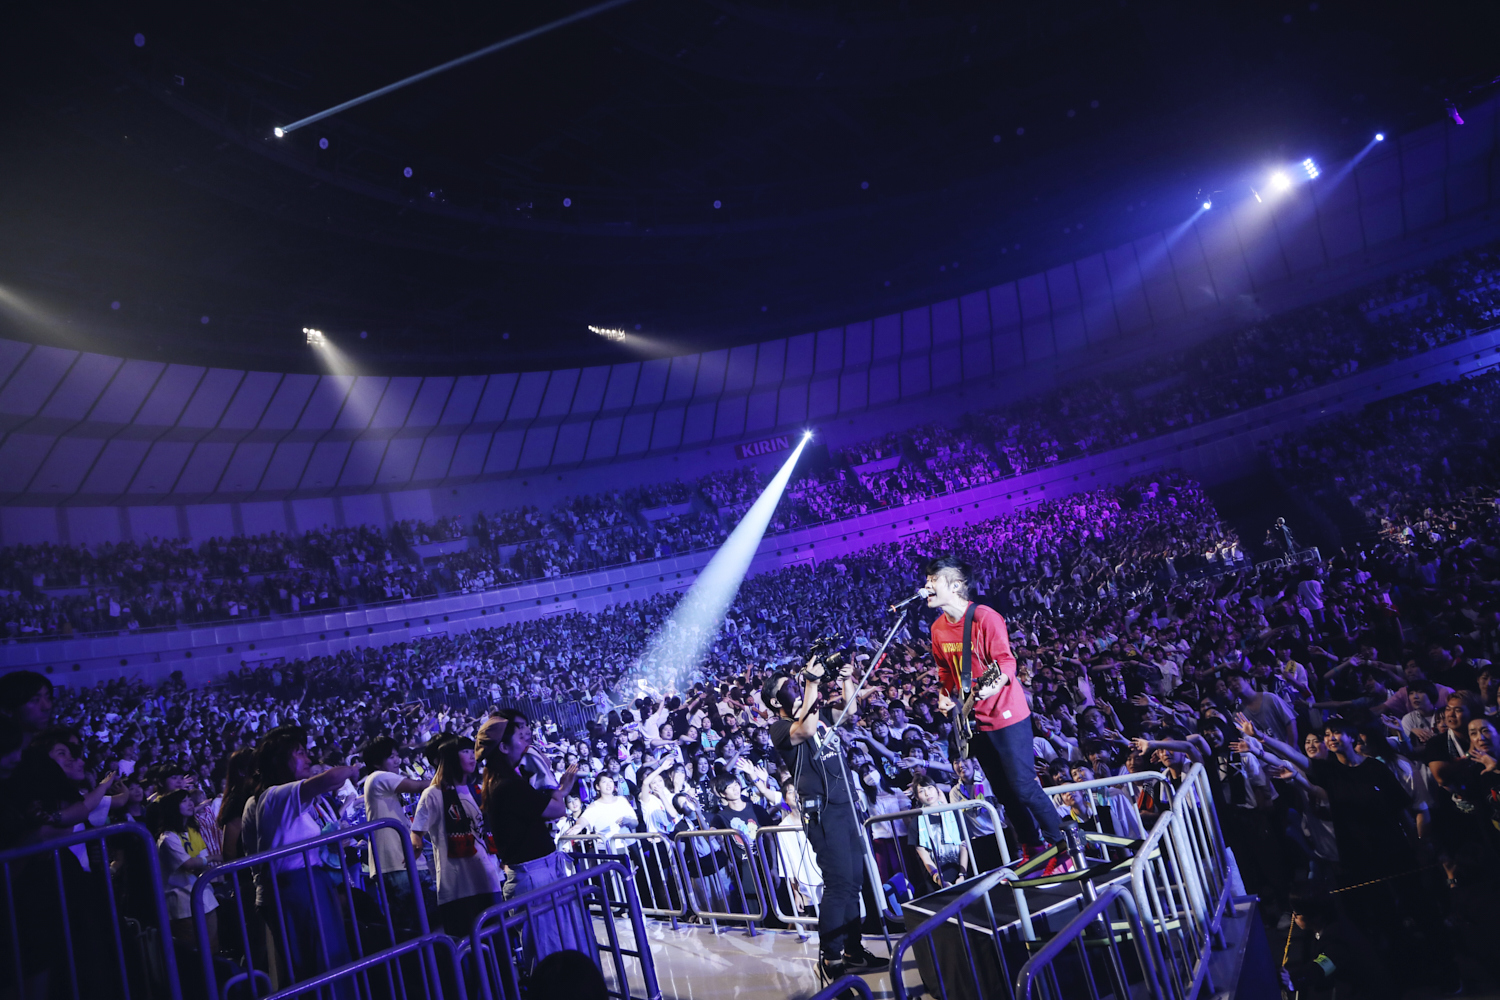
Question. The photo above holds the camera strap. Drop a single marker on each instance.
(966, 665)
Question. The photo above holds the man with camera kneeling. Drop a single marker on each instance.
(809, 743)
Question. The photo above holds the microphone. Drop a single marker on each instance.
(921, 595)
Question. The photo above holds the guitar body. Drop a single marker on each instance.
(964, 723)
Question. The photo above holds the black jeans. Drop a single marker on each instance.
(841, 854)
(1009, 762)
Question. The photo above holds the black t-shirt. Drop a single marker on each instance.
(817, 763)
(514, 814)
(746, 820)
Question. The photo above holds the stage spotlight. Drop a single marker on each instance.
(280, 132)
(1207, 205)
(1380, 137)
(1280, 181)
(1311, 168)
(315, 338)
(608, 333)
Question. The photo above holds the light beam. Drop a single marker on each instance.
(675, 652)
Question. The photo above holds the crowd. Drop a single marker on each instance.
(1344, 710)
(49, 590)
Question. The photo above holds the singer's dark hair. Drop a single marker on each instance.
(955, 568)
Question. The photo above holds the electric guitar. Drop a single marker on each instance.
(992, 680)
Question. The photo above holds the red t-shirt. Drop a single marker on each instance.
(991, 644)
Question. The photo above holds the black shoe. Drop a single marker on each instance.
(830, 970)
(860, 962)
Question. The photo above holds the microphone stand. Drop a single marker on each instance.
(875, 662)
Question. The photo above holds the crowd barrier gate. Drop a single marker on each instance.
(74, 938)
(654, 860)
(314, 890)
(568, 909)
(1040, 976)
(725, 882)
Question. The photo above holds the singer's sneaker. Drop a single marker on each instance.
(1058, 864)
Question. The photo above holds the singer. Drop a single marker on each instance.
(1003, 743)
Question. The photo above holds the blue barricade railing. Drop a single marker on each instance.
(984, 982)
(314, 910)
(561, 915)
(842, 989)
(1100, 966)
(431, 976)
(69, 931)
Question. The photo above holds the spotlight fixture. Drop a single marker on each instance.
(608, 333)
(807, 435)
(1380, 137)
(1280, 181)
(279, 131)
(1311, 168)
(1452, 110)
(1207, 205)
(315, 338)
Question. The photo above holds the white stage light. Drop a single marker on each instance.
(1207, 205)
(315, 338)
(675, 653)
(1311, 168)
(1280, 181)
(1380, 137)
(280, 132)
(608, 333)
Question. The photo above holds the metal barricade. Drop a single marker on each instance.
(71, 931)
(1176, 938)
(378, 974)
(1042, 977)
(1098, 789)
(970, 864)
(840, 989)
(787, 859)
(315, 911)
(1203, 838)
(983, 979)
(717, 879)
(560, 916)
(659, 881)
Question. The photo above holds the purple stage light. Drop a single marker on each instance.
(1453, 113)
(567, 203)
(323, 143)
(140, 40)
(364, 335)
(864, 185)
(203, 320)
(115, 304)
(406, 172)
(718, 203)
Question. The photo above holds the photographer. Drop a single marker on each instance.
(806, 738)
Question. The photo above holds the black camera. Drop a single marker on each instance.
(830, 653)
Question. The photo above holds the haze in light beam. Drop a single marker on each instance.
(675, 652)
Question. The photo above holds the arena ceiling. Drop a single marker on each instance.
(863, 158)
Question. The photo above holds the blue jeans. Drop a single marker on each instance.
(313, 922)
(553, 923)
(1010, 763)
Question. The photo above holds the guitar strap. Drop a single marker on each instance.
(966, 666)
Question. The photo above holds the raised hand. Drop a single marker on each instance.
(1243, 723)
